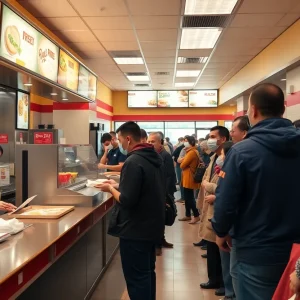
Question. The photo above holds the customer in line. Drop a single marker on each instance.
(170, 144)
(296, 123)
(258, 195)
(138, 216)
(240, 128)
(189, 165)
(156, 139)
(144, 136)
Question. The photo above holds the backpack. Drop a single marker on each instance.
(170, 210)
(200, 171)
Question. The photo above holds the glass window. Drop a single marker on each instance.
(202, 133)
(180, 125)
(152, 126)
(118, 124)
(174, 134)
(208, 125)
(228, 125)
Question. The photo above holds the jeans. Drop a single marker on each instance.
(214, 268)
(256, 282)
(190, 203)
(179, 176)
(234, 267)
(138, 263)
(225, 260)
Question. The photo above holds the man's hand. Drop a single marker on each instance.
(106, 148)
(7, 206)
(224, 243)
(295, 284)
(101, 166)
(104, 187)
(109, 181)
(210, 199)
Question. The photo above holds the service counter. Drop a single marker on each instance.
(58, 259)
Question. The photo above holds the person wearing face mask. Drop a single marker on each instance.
(138, 218)
(258, 196)
(217, 137)
(112, 159)
(189, 165)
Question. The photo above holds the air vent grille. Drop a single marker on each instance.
(142, 85)
(162, 73)
(136, 74)
(205, 21)
(192, 60)
(125, 54)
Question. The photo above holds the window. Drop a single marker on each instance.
(228, 125)
(207, 125)
(152, 126)
(118, 124)
(175, 130)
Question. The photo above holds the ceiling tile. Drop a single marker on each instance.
(186, 79)
(54, 8)
(115, 35)
(165, 45)
(155, 7)
(189, 66)
(91, 46)
(255, 20)
(166, 53)
(221, 66)
(253, 32)
(101, 8)
(156, 22)
(158, 35)
(65, 23)
(75, 36)
(125, 46)
(132, 68)
(160, 66)
(93, 54)
(231, 58)
(289, 19)
(108, 23)
(266, 6)
(195, 53)
(160, 60)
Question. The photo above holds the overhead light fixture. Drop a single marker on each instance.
(53, 94)
(199, 38)
(283, 79)
(188, 73)
(191, 60)
(184, 84)
(129, 60)
(64, 99)
(28, 84)
(208, 7)
(138, 78)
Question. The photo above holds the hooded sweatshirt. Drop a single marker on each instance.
(140, 214)
(258, 193)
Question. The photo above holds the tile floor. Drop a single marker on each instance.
(179, 270)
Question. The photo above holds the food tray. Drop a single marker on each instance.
(40, 212)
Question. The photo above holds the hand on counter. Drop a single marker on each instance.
(7, 206)
(104, 187)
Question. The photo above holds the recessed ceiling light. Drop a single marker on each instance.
(184, 84)
(283, 79)
(188, 73)
(129, 60)
(191, 60)
(64, 99)
(208, 7)
(53, 94)
(138, 78)
(28, 84)
(199, 38)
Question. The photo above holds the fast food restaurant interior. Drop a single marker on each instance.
(72, 71)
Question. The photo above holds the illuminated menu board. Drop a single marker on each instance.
(203, 98)
(173, 98)
(140, 99)
(26, 46)
(22, 110)
(68, 71)
(87, 85)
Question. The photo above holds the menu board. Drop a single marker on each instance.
(68, 71)
(22, 110)
(142, 99)
(203, 98)
(173, 98)
(27, 47)
(87, 85)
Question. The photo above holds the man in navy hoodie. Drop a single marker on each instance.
(258, 196)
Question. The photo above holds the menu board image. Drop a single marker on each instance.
(22, 110)
(87, 85)
(173, 98)
(18, 40)
(68, 71)
(140, 99)
(203, 98)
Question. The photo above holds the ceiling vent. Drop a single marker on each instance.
(136, 74)
(205, 21)
(125, 54)
(162, 73)
(142, 85)
(192, 60)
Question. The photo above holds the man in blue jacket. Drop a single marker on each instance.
(258, 195)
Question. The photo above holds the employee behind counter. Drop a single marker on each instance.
(112, 159)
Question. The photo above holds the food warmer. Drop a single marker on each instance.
(58, 174)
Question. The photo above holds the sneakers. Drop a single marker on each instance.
(185, 219)
(195, 220)
(165, 244)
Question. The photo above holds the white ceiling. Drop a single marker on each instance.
(94, 27)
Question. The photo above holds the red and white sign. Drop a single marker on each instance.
(43, 138)
(3, 138)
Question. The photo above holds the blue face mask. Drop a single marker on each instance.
(122, 150)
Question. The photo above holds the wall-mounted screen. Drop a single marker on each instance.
(173, 98)
(141, 99)
(22, 111)
(203, 98)
(87, 85)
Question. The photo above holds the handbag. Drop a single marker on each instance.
(170, 210)
(200, 171)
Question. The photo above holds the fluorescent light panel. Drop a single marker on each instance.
(199, 38)
(188, 73)
(185, 60)
(184, 84)
(129, 60)
(209, 7)
(138, 78)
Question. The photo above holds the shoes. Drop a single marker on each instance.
(158, 251)
(204, 247)
(209, 285)
(185, 219)
(165, 244)
(220, 291)
(195, 220)
(200, 244)
(180, 201)
(204, 255)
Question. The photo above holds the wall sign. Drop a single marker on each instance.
(203, 98)
(43, 138)
(3, 138)
(22, 110)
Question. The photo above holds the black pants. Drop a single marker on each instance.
(190, 203)
(214, 266)
(138, 262)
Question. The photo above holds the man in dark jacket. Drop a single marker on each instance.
(156, 139)
(138, 218)
(258, 195)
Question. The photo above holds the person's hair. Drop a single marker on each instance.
(181, 139)
(132, 129)
(243, 123)
(106, 137)
(297, 123)
(223, 131)
(144, 134)
(268, 98)
(113, 133)
(160, 135)
(227, 146)
(191, 139)
(203, 145)
(168, 139)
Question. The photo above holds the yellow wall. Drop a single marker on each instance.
(281, 53)
(104, 93)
